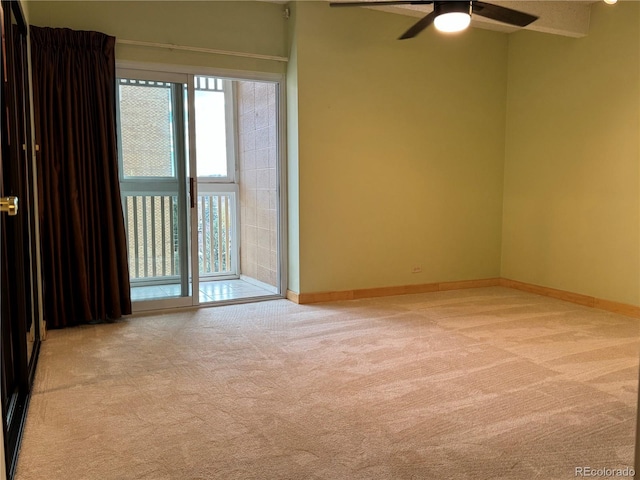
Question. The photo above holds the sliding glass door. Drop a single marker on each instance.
(152, 119)
(200, 167)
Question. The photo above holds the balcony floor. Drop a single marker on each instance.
(210, 291)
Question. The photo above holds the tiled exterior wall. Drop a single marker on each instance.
(258, 154)
(146, 131)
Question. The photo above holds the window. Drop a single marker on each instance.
(212, 128)
(146, 129)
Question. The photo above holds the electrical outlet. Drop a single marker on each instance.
(416, 269)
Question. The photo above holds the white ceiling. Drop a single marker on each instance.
(569, 17)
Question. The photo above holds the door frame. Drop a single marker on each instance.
(157, 71)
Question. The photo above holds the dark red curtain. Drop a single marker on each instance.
(84, 253)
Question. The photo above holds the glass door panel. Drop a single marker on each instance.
(213, 129)
(153, 183)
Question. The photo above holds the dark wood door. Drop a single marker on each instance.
(19, 339)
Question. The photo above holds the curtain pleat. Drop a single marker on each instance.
(84, 252)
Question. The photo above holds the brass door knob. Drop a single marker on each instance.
(9, 205)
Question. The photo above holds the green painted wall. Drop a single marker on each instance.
(401, 149)
(293, 193)
(249, 27)
(572, 171)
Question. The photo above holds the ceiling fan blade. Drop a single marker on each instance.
(380, 3)
(503, 14)
(418, 27)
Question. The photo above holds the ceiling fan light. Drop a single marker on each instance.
(452, 22)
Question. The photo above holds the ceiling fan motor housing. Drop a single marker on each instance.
(440, 8)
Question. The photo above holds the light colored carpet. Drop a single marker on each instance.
(474, 384)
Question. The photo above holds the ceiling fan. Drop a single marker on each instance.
(450, 16)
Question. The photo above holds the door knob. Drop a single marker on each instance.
(9, 205)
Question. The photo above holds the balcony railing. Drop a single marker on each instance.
(153, 236)
(215, 233)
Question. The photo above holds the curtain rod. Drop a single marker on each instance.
(202, 50)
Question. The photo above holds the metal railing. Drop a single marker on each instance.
(151, 223)
(215, 233)
(152, 236)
